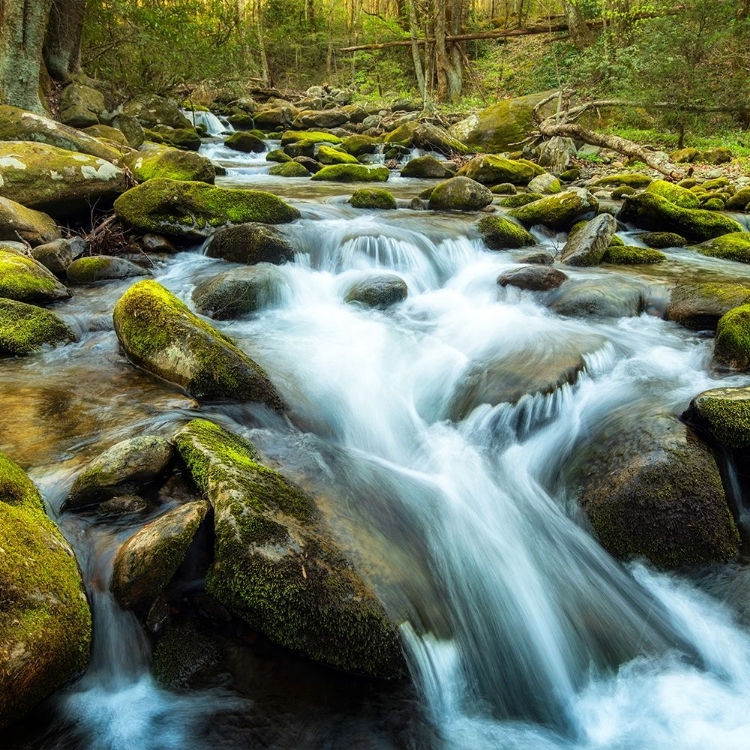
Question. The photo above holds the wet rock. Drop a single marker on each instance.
(250, 243)
(740, 201)
(359, 145)
(662, 240)
(155, 243)
(289, 169)
(651, 488)
(183, 138)
(490, 170)
(122, 505)
(308, 136)
(520, 199)
(459, 194)
(426, 167)
(533, 278)
(559, 211)
(332, 155)
(587, 246)
(329, 118)
(504, 188)
(732, 345)
(102, 268)
(148, 560)
(733, 246)
(245, 142)
(352, 173)
(700, 306)
(499, 233)
(183, 653)
(161, 335)
(54, 256)
(127, 464)
(542, 259)
(184, 209)
(547, 184)
(156, 161)
(45, 623)
(680, 196)
(26, 328)
(17, 221)
(312, 166)
(603, 299)
(630, 255)
(431, 137)
(378, 291)
(25, 280)
(278, 156)
(151, 110)
(724, 414)
(373, 198)
(276, 564)
(239, 292)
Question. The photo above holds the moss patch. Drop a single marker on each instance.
(352, 173)
(289, 169)
(630, 179)
(330, 155)
(499, 233)
(24, 280)
(674, 194)
(630, 255)
(733, 246)
(732, 347)
(557, 211)
(25, 328)
(372, 198)
(315, 136)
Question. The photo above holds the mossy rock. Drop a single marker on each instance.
(352, 173)
(718, 183)
(700, 306)
(24, 280)
(426, 167)
(148, 560)
(108, 133)
(652, 489)
(289, 169)
(622, 192)
(499, 233)
(130, 128)
(720, 155)
(559, 211)
(713, 204)
(300, 148)
(95, 268)
(250, 243)
(312, 136)
(246, 142)
(161, 335)
(278, 155)
(330, 155)
(587, 246)
(184, 652)
(674, 194)
(238, 292)
(276, 565)
(380, 291)
(55, 256)
(56, 181)
(359, 145)
(45, 622)
(185, 138)
(24, 329)
(616, 241)
(734, 246)
(504, 188)
(431, 137)
(490, 170)
(724, 414)
(177, 208)
(459, 194)
(154, 161)
(520, 199)
(31, 226)
(571, 175)
(684, 156)
(546, 184)
(630, 255)
(634, 180)
(152, 110)
(650, 211)
(372, 198)
(662, 240)
(732, 345)
(740, 201)
(81, 105)
(403, 135)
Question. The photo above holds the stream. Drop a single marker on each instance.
(521, 632)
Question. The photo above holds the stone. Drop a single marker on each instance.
(109, 133)
(459, 194)
(631, 255)
(559, 211)
(155, 243)
(250, 243)
(700, 306)
(379, 291)
(184, 138)
(373, 198)
(34, 227)
(329, 118)
(662, 240)
(95, 268)
(352, 173)
(429, 137)
(157, 161)
(733, 246)
(499, 233)
(130, 128)
(426, 167)
(25, 280)
(289, 169)
(539, 278)
(151, 110)
(245, 142)
(332, 155)
(634, 180)
(359, 145)
(732, 345)
(24, 329)
(680, 196)
(54, 256)
(541, 259)
(601, 299)
(723, 414)
(239, 291)
(490, 170)
(556, 153)
(587, 247)
(80, 106)
(547, 184)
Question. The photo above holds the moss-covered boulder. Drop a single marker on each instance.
(108, 133)
(352, 173)
(662, 240)
(431, 137)
(20, 125)
(25, 280)
(540, 278)
(239, 291)
(631, 255)
(381, 291)
(499, 233)
(651, 211)
(102, 268)
(634, 180)
(155, 161)
(80, 105)
(250, 243)
(547, 184)
(372, 198)
(732, 346)
(740, 201)
(426, 167)
(148, 560)
(245, 142)
(651, 488)
(622, 192)
(45, 623)
(130, 128)
(56, 181)
(587, 246)
(680, 196)
(177, 208)
(490, 170)
(185, 138)
(278, 156)
(26, 328)
(403, 135)
(331, 155)
(187, 652)
(120, 470)
(518, 200)
(359, 145)
(312, 136)
(700, 306)
(724, 414)
(161, 335)
(289, 169)
(733, 246)
(276, 565)
(459, 194)
(557, 211)
(151, 110)
(31, 226)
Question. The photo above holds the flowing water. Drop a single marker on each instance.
(520, 631)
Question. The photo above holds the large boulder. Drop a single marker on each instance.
(491, 170)
(80, 105)
(359, 145)
(160, 334)
(559, 211)
(130, 128)
(329, 118)
(45, 623)
(184, 138)
(426, 167)
(239, 291)
(587, 246)
(276, 564)
(700, 306)
(56, 181)
(151, 110)
(538, 278)
(25, 280)
(289, 169)
(372, 198)
(55, 256)
(185, 209)
(431, 137)
(732, 246)
(607, 298)
(20, 125)
(153, 161)
(310, 136)
(651, 211)
(500, 233)
(352, 173)
(34, 227)
(460, 194)
(680, 196)
(247, 143)
(148, 560)
(250, 243)
(26, 328)
(108, 133)
(651, 488)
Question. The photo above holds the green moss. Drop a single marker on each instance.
(24, 280)
(521, 199)
(289, 169)
(373, 198)
(183, 138)
(739, 201)
(504, 188)
(716, 184)
(330, 155)
(315, 136)
(171, 164)
(732, 346)
(490, 170)
(713, 204)
(357, 145)
(725, 414)
(622, 192)
(245, 142)
(278, 155)
(182, 652)
(25, 328)
(616, 241)
(499, 233)
(631, 179)
(663, 240)
(673, 193)
(403, 135)
(734, 246)
(352, 173)
(556, 211)
(571, 175)
(630, 255)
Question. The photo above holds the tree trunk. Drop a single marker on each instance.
(448, 77)
(265, 72)
(62, 43)
(579, 30)
(418, 70)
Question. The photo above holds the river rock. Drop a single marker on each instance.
(17, 221)
(499, 233)
(459, 194)
(733, 246)
(680, 196)
(161, 335)
(56, 181)
(352, 173)
(372, 198)
(541, 259)
(239, 291)
(429, 137)
(700, 306)
(559, 211)
(183, 138)
(586, 247)
(311, 136)
(724, 414)
(331, 155)
(148, 560)
(651, 211)
(607, 298)
(54, 256)
(245, 142)
(426, 167)
(634, 180)
(155, 243)
(533, 278)
(250, 243)
(151, 110)
(276, 564)
(108, 133)
(359, 145)
(289, 169)
(153, 160)
(275, 117)
(26, 328)
(125, 465)
(130, 128)
(80, 105)
(25, 280)
(651, 488)
(45, 623)
(632, 255)
(379, 291)
(740, 201)
(556, 153)
(102, 268)
(185, 209)
(278, 156)
(329, 118)
(662, 240)
(185, 652)
(546, 184)
(732, 345)
(490, 170)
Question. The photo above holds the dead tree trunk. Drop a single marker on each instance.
(62, 43)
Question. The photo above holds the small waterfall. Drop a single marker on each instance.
(213, 125)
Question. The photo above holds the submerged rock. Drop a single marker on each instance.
(459, 194)
(631, 255)
(276, 565)
(25, 280)
(250, 243)
(239, 291)
(662, 240)
(26, 328)
(102, 268)
(378, 291)
(603, 298)
(160, 334)
(499, 233)
(31, 226)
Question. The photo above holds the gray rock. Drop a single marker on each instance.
(533, 278)
(460, 194)
(378, 291)
(605, 299)
(239, 291)
(54, 256)
(95, 268)
(587, 246)
(250, 243)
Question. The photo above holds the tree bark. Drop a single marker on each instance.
(62, 43)
(418, 70)
(578, 29)
(23, 24)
